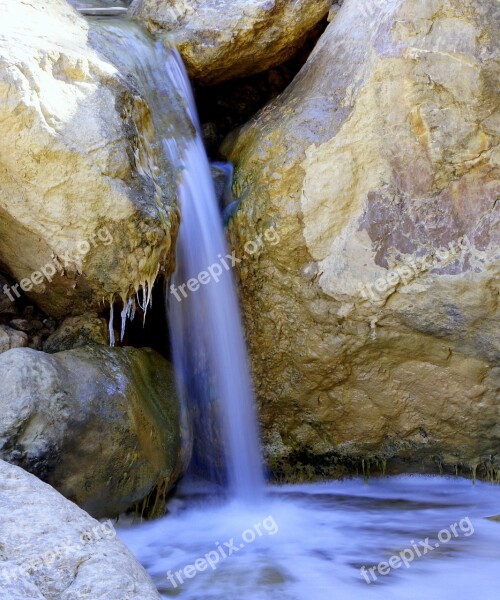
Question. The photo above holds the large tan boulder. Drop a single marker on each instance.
(86, 212)
(52, 549)
(102, 425)
(224, 39)
(374, 322)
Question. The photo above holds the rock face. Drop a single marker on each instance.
(101, 425)
(224, 39)
(76, 332)
(51, 549)
(10, 338)
(7, 305)
(373, 323)
(87, 205)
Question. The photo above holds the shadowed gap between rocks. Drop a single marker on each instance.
(226, 106)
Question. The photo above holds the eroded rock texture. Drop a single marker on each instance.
(373, 324)
(221, 40)
(52, 549)
(87, 206)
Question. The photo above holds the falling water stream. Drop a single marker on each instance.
(302, 541)
(207, 336)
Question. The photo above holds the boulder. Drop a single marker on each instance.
(76, 332)
(11, 338)
(87, 201)
(374, 322)
(101, 425)
(52, 549)
(225, 39)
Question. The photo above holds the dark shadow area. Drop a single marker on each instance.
(226, 106)
(149, 332)
(20, 313)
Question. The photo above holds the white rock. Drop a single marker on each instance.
(51, 549)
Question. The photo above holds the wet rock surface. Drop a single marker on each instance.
(101, 425)
(84, 212)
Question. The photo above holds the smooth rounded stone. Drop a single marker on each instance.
(87, 202)
(101, 425)
(53, 550)
(373, 324)
(76, 332)
(11, 338)
(221, 40)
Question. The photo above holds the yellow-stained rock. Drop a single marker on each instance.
(374, 323)
(85, 210)
(225, 39)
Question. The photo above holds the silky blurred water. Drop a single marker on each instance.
(325, 534)
(208, 345)
(90, 4)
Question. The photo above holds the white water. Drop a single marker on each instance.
(209, 350)
(325, 534)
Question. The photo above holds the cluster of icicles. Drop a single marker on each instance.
(129, 309)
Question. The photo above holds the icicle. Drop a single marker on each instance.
(150, 293)
(111, 329)
(128, 312)
(139, 303)
(145, 298)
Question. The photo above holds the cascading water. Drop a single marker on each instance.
(208, 346)
(207, 337)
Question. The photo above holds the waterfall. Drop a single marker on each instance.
(208, 347)
(207, 337)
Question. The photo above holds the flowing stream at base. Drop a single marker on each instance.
(317, 537)
(300, 542)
